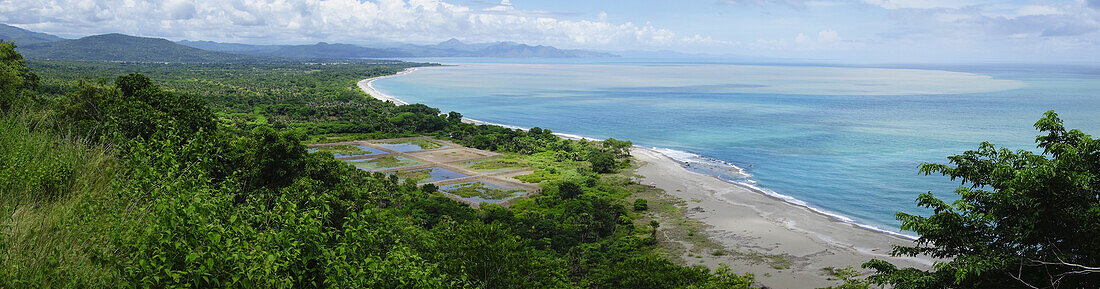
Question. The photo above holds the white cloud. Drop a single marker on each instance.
(921, 4)
(1032, 10)
(825, 40)
(796, 4)
(824, 3)
(352, 21)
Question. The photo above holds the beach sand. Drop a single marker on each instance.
(367, 86)
(744, 220)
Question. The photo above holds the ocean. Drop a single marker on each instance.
(843, 140)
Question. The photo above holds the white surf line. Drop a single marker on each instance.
(367, 85)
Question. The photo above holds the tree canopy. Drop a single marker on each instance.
(1023, 220)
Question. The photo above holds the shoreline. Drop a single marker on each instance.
(744, 217)
(367, 86)
(745, 220)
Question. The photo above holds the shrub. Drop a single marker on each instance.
(641, 205)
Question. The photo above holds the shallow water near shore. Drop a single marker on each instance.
(845, 140)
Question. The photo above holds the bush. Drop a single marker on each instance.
(641, 205)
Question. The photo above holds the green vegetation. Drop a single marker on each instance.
(848, 276)
(137, 183)
(415, 176)
(1024, 220)
(320, 100)
(641, 205)
(497, 164)
(481, 190)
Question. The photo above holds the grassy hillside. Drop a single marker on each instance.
(119, 47)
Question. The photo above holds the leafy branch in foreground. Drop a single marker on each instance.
(1024, 220)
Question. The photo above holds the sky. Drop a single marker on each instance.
(895, 31)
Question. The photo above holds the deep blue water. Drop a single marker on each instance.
(845, 140)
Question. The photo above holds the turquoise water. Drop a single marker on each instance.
(844, 140)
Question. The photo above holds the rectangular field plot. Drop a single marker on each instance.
(428, 175)
(480, 191)
(450, 155)
(494, 165)
(409, 145)
(345, 151)
(381, 163)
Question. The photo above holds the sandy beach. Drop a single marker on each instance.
(746, 220)
(367, 85)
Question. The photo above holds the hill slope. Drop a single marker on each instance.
(24, 37)
(119, 47)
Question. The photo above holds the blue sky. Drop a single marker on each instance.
(844, 30)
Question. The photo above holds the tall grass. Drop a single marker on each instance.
(54, 199)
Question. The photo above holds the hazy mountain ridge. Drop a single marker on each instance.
(449, 48)
(24, 37)
(121, 47)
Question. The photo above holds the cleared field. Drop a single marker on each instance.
(463, 174)
(386, 162)
(481, 191)
(408, 145)
(494, 165)
(428, 175)
(450, 155)
(346, 151)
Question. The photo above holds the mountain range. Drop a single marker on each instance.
(120, 47)
(23, 36)
(449, 48)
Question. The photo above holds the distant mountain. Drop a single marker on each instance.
(323, 50)
(229, 47)
(455, 44)
(449, 48)
(456, 48)
(24, 37)
(119, 47)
